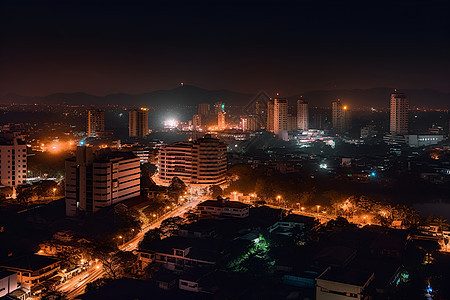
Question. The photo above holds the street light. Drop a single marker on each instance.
(318, 206)
(54, 192)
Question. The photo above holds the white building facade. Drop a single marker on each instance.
(201, 162)
(13, 159)
(94, 181)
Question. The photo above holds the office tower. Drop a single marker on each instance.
(302, 115)
(202, 162)
(138, 122)
(203, 109)
(100, 179)
(219, 107)
(95, 122)
(244, 123)
(13, 159)
(340, 117)
(280, 116)
(250, 123)
(399, 113)
(221, 120)
(197, 122)
(270, 115)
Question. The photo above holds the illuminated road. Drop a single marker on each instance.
(76, 285)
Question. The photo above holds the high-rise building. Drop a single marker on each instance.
(280, 116)
(340, 117)
(221, 120)
(203, 161)
(197, 122)
(302, 115)
(138, 123)
(13, 159)
(95, 122)
(249, 123)
(203, 109)
(270, 115)
(399, 113)
(101, 179)
(244, 123)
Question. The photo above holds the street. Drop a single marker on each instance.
(76, 285)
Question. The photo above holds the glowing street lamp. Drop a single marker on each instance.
(317, 206)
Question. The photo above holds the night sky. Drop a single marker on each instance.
(290, 46)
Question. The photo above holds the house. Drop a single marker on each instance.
(290, 222)
(343, 283)
(32, 269)
(222, 207)
(179, 253)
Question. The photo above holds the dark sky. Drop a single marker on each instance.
(289, 46)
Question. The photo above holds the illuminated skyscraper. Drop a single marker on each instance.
(221, 120)
(197, 122)
(302, 115)
(138, 122)
(340, 117)
(95, 122)
(399, 113)
(280, 116)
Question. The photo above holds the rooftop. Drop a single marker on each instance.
(206, 250)
(30, 262)
(348, 276)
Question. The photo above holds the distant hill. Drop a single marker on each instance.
(192, 96)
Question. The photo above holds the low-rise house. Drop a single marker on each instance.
(287, 224)
(343, 283)
(179, 253)
(222, 207)
(62, 243)
(32, 269)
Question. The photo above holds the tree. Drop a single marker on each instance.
(96, 284)
(127, 220)
(176, 189)
(215, 191)
(170, 226)
(151, 236)
(117, 263)
(53, 294)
